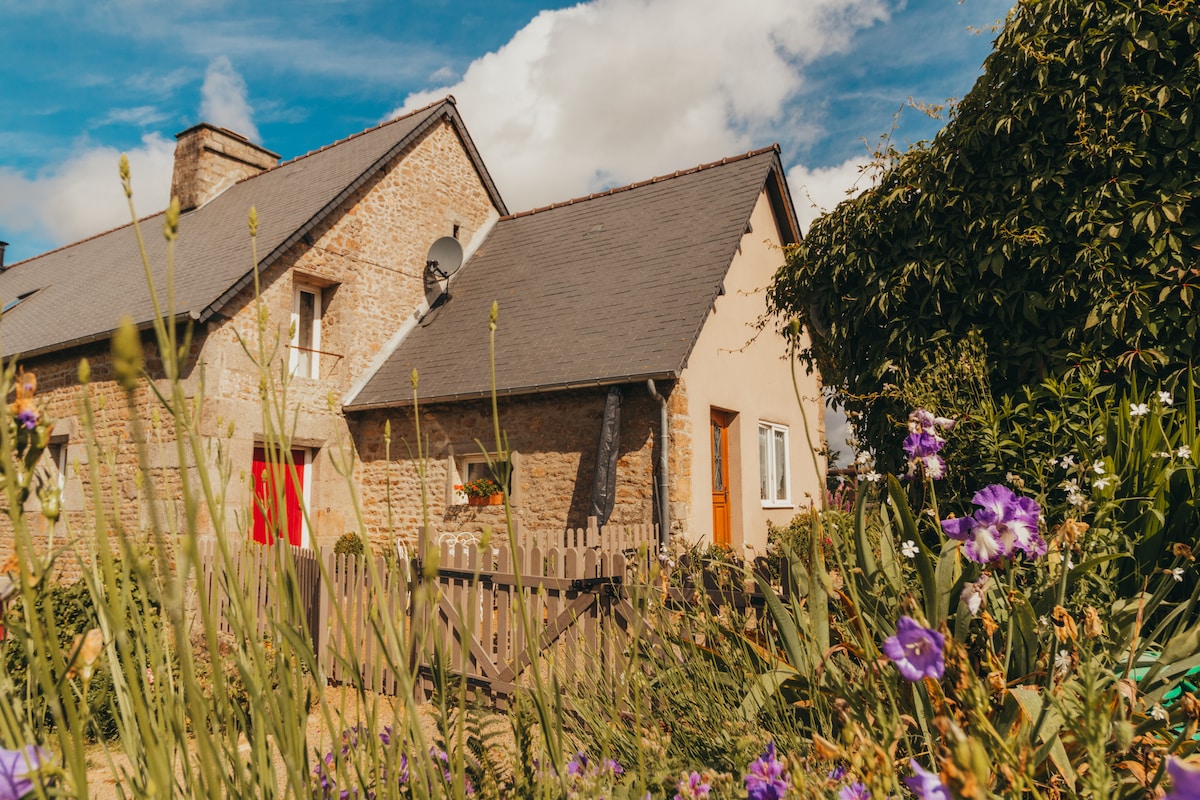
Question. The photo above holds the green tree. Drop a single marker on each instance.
(1053, 214)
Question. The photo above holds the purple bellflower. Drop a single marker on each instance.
(692, 787)
(1185, 780)
(15, 768)
(1003, 524)
(765, 779)
(855, 791)
(916, 650)
(926, 785)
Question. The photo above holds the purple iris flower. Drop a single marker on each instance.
(765, 779)
(15, 767)
(922, 421)
(920, 445)
(922, 449)
(27, 419)
(838, 772)
(855, 791)
(1185, 780)
(916, 650)
(1003, 524)
(926, 785)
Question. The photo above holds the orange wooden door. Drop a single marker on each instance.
(720, 477)
(269, 480)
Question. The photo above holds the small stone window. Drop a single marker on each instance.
(306, 331)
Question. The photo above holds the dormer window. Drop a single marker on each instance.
(306, 331)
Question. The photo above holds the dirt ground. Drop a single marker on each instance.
(103, 782)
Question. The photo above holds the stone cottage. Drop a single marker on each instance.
(644, 299)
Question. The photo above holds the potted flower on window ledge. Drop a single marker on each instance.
(482, 492)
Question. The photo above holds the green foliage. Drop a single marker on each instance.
(1053, 215)
(69, 611)
(349, 543)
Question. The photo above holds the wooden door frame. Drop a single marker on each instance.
(724, 420)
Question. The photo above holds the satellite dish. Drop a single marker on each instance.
(445, 257)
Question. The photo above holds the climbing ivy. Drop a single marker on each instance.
(1053, 214)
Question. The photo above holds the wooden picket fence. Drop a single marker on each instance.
(496, 608)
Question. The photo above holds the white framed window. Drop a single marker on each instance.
(306, 331)
(774, 478)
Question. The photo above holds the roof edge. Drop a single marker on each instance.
(410, 324)
(774, 169)
(519, 391)
(265, 263)
(679, 173)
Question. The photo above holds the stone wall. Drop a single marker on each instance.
(368, 260)
(555, 438)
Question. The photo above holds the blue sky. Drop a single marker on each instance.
(562, 99)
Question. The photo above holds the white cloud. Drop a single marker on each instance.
(82, 196)
(223, 99)
(144, 116)
(613, 91)
(816, 191)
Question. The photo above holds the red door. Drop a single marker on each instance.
(269, 484)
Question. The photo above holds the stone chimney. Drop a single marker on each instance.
(209, 159)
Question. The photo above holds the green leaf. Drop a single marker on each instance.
(908, 531)
(1049, 725)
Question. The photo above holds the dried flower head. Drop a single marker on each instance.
(1093, 627)
(1065, 629)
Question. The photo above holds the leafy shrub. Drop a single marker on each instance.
(349, 544)
(70, 611)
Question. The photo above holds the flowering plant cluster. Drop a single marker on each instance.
(362, 778)
(1002, 525)
(924, 442)
(480, 487)
(587, 777)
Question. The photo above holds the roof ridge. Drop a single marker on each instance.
(447, 99)
(658, 179)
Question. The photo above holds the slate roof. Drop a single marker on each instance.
(82, 290)
(611, 288)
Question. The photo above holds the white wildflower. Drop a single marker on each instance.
(863, 458)
(1184, 452)
(909, 549)
(1098, 468)
(1138, 409)
(872, 476)
(1161, 454)
(1159, 713)
(1075, 498)
(1052, 463)
(1177, 574)
(1067, 461)
(1165, 398)
(1100, 483)
(1062, 662)
(1100, 438)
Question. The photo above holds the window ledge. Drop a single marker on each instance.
(767, 504)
